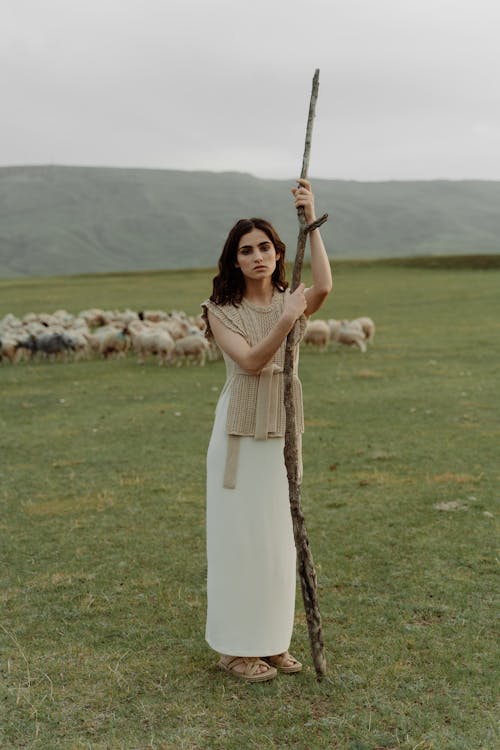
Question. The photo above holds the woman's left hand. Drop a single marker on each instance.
(304, 196)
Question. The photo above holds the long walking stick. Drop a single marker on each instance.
(305, 561)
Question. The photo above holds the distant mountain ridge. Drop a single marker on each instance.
(58, 220)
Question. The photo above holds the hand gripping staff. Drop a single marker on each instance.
(305, 561)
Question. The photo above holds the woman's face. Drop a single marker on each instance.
(256, 256)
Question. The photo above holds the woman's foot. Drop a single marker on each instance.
(249, 668)
(284, 662)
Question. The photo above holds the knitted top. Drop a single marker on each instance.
(256, 404)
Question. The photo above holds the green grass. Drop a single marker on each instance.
(103, 549)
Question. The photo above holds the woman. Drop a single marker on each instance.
(250, 545)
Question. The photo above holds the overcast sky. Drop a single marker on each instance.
(409, 89)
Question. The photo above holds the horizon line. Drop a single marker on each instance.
(57, 165)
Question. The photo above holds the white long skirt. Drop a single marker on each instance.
(250, 547)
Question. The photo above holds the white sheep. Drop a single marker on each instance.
(177, 327)
(154, 315)
(94, 317)
(107, 333)
(109, 341)
(343, 333)
(151, 340)
(125, 317)
(199, 322)
(367, 326)
(193, 348)
(77, 343)
(10, 322)
(317, 333)
(8, 349)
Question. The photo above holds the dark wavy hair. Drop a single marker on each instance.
(229, 284)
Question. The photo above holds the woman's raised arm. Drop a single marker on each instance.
(320, 265)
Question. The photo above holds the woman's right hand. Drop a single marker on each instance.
(295, 302)
(253, 358)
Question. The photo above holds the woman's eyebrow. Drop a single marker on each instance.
(264, 242)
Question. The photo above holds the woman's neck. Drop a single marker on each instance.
(259, 292)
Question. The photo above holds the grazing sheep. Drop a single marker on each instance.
(93, 341)
(154, 341)
(28, 344)
(108, 341)
(76, 343)
(79, 324)
(193, 348)
(199, 323)
(63, 318)
(62, 335)
(346, 334)
(125, 318)
(177, 327)
(29, 318)
(52, 344)
(95, 317)
(154, 316)
(317, 333)
(367, 326)
(8, 349)
(10, 321)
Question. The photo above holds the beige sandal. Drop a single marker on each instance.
(249, 674)
(279, 661)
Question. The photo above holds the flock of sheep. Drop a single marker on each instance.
(172, 338)
(357, 332)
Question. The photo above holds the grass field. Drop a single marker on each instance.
(102, 531)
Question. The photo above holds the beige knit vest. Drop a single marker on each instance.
(256, 405)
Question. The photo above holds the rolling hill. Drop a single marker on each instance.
(68, 220)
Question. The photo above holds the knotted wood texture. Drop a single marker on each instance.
(305, 562)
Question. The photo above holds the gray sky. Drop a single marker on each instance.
(409, 89)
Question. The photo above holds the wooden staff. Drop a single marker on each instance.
(305, 560)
